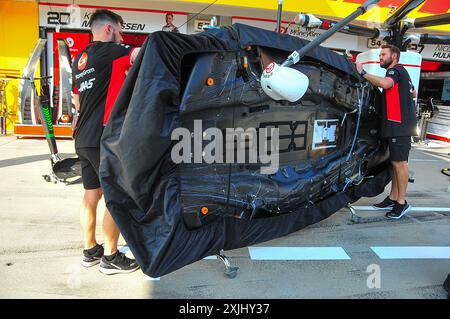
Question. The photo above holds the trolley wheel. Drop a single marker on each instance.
(356, 219)
(232, 272)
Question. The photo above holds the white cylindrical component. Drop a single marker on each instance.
(409, 23)
(414, 38)
(411, 61)
(284, 83)
(300, 19)
(307, 20)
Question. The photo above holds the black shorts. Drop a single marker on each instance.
(90, 162)
(399, 148)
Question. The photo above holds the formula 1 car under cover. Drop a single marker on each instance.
(171, 215)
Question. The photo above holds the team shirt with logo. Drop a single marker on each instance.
(398, 110)
(170, 28)
(97, 76)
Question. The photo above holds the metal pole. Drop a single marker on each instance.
(434, 39)
(280, 10)
(297, 55)
(401, 12)
(432, 20)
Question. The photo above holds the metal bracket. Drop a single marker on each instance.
(355, 218)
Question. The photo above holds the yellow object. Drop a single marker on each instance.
(19, 31)
(335, 8)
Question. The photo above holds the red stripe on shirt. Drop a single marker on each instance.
(393, 104)
(119, 67)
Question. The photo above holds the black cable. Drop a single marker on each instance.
(229, 174)
(446, 171)
(286, 30)
(197, 14)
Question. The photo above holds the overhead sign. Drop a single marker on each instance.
(439, 52)
(61, 16)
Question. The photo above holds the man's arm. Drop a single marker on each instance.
(76, 101)
(384, 83)
(134, 54)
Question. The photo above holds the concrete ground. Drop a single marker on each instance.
(40, 243)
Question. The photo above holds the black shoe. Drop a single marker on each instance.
(447, 284)
(91, 257)
(399, 210)
(119, 264)
(385, 204)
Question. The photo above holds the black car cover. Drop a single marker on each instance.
(143, 187)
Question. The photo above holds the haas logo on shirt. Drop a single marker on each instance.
(82, 61)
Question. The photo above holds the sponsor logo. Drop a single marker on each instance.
(86, 85)
(134, 26)
(442, 52)
(84, 73)
(70, 42)
(82, 61)
(270, 67)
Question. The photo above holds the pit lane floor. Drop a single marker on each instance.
(40, 244)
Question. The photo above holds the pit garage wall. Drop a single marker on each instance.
(136, 20)
(18, 34)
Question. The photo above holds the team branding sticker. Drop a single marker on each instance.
(82, 61)
(270, 67)
(70, 42)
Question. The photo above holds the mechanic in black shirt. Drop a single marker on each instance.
(398, 125)
(98, 73)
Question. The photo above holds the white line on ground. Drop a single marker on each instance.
(413, 252)
(298, 253)
(413, 209)
(425, 160)
(148, 278)
(442, 157)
